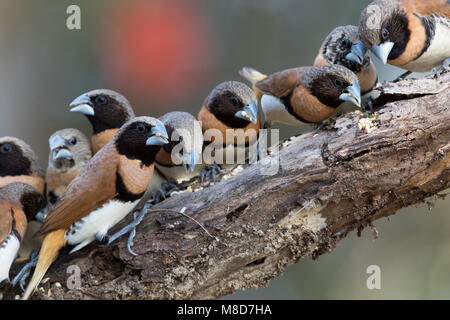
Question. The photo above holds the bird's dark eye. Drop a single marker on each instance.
(345, 43)
(384, 34)
(73, 141)
(234, 101)
(52, 197)
(101, 100)
(40, 201)
(140, 127)
(339, 82)
(5, 148)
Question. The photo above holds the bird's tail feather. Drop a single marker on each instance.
(253, 76)
(53, 242)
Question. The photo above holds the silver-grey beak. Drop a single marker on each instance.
(56, 142)
(42, 215)
(353, 94)
(159, 136)
(383, 50)
(82, 104)
(357, 53)
(63, 153)
(249, 113)
(58, 148)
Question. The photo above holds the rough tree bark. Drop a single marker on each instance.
(329, 183)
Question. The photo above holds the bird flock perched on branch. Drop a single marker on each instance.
(91, 185)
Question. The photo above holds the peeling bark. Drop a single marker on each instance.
(329, 183)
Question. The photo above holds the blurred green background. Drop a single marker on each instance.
(166, 55)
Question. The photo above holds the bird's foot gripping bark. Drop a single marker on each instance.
(210, 171)
(329, 123)
(130, 228)
(166, 190)
(24, 273)
(138, 215)
(368, 105)
(444, 68)
(403, 76)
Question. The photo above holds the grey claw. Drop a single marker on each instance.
(22, 281)
(210, 171)
(22, 276)
(202, 176)
(130, 242)
(117, 235)
(131, 228)
(320, 126)
(369, 104)
(159, 196)
(402, 76)
(167, 188)
(440, 70)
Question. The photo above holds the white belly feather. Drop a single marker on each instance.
(8, 253)
(275, 111)
(438, 51)
(97, 223)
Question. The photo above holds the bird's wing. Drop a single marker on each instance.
(21, 221)
(431, 7)
(6, 220)
(280, 84)
(91, 188)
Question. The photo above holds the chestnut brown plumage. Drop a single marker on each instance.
(411, 34)
(106, 110)
(103, 193)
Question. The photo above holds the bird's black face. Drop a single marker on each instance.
(169, 147)
(344, 48)
(12, 160)
(109, 113)
(104, 109)
(395, 29)
(328, 87)
(339, 48)
(224, 106)
(132, 143)
(172, 143)
(32, 203)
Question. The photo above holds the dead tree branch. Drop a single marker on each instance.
(329, 183)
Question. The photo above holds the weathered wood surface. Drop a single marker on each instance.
(329, 183)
